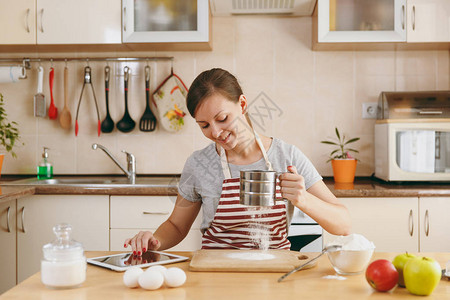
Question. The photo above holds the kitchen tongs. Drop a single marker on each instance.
(87, 79)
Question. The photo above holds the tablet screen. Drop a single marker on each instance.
(121, 262)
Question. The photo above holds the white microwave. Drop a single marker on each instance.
(412, 151)
(412, 136)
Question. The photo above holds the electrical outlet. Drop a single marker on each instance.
(369, 110)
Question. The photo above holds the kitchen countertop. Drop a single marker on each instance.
(8, 193)
(362, 187)
(372, 187)
(306, 284)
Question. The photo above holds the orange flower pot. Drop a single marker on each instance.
(2, 156)
(344, 170)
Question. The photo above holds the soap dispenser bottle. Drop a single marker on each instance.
(45, 168)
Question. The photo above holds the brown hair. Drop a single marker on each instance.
(209, 82)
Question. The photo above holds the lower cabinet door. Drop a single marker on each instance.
(434, 224)
(8, 245)
(192, 242)
(390, 223)
(37, 214)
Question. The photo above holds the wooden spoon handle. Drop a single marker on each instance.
(66, 81)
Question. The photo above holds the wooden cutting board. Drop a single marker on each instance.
(249, 260)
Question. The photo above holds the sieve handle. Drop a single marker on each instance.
(278, 175)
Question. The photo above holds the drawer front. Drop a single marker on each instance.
(192, 242)
(143, 211)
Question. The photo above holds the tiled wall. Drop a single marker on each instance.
(310, 93)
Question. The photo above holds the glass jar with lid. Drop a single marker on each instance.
(64, 263)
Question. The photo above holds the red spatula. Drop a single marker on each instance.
(52, 110)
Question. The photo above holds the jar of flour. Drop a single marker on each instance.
(64, 264)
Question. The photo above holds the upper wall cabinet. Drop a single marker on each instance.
(60, 22)
(169, 21)
(428, 21)
(78, 22)
(361, 21)
(18, 22)
(366, 21)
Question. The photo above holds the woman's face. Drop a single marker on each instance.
(222, 120)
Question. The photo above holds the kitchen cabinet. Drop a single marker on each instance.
(8, 245)
(37, 214)
(154, 21)
(347, 21)
(60, 22)
(401, 224)
(392, 224)
(18, 20)
(434, 224)
(367, 21)
(78, 22)
(131, 214)
(428, 21)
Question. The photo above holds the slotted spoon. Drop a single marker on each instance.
(148, 119)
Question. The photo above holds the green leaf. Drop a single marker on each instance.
(329, 143)
(353, 150)
(9, 133)
(334, 152)
(351, 141)
(337, 134)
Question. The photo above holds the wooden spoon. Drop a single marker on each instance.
(65, 118)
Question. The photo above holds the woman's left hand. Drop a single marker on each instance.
(293, 187)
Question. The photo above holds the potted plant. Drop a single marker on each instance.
(344, 165)
(9, 134)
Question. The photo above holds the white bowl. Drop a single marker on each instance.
(350, 262)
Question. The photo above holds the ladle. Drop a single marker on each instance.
(126, 124)
(65, 119)
(108, 123)
(325, 250)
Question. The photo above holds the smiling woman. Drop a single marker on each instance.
(210, 179)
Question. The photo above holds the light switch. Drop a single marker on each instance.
(369, 110)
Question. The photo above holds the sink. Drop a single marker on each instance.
(99, 182)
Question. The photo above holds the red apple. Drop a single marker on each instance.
(399, 263)
(382, 275)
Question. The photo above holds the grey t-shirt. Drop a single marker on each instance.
(202, 176)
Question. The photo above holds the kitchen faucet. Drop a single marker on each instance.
(131, 162)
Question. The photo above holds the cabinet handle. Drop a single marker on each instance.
(411, 223)
(413, 17)
(27, 17)
(23, 219)
(403, 17)
(7, 219)
(42, 20)
(124, 19)
(427, 223)
(155, 213)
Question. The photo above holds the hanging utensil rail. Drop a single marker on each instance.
(26, 62)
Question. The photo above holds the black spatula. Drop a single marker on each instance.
(148, 119)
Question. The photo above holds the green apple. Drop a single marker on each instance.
(422, 275)
(399, 263)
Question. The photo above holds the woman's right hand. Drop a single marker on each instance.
(141, 242)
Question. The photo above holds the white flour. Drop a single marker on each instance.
(259, 234)
(337, 277)
(355, 242)
(251, 256)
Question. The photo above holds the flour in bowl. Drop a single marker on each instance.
(354, 242)
(256, 255)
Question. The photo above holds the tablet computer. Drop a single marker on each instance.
(123, 261)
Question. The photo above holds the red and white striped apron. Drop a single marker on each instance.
(236, 226)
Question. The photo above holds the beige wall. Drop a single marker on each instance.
(314, 92)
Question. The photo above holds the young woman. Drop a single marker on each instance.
(210, 179)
